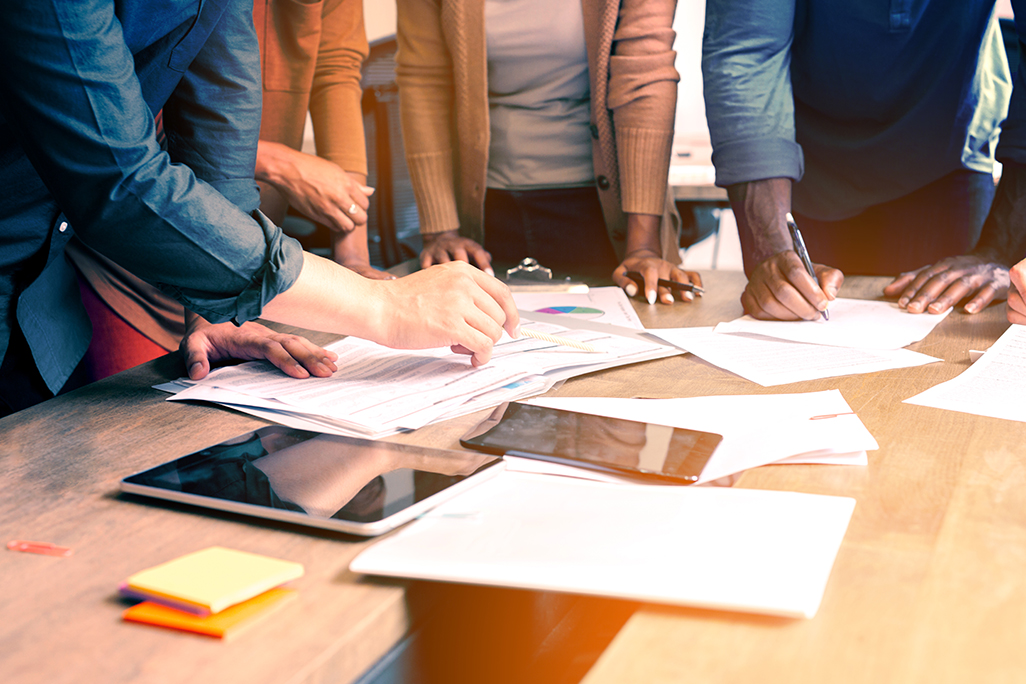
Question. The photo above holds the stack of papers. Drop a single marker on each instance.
(378, 391)
(214, 591)
(809, 427)
(722, 548)
(860, 337)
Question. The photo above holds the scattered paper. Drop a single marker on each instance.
(712, 547)
(769, 361)
(853, 323)
(993, 386)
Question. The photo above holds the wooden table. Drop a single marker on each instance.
(930, 582)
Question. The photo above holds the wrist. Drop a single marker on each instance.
(271, 162)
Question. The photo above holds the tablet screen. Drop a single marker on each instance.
(310, 478)
(643, 451)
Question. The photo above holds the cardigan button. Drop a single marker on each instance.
(603, 182)
(64, 226)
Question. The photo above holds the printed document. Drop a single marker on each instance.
(599, 304)
(857, 323)
(994, 386)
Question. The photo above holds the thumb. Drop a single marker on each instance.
(197, 361)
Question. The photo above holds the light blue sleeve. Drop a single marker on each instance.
(746, 66)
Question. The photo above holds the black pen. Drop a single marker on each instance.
(672, 284)
(803, 254)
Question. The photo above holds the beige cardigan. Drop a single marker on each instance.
(441, 68)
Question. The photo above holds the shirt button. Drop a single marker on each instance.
(603, 182)
(64, 226)
(594, 131)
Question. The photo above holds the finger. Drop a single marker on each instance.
(899, 284)
(281, 359)
(830, 280)
(621, 280)
(752, 307)
(923, 277)
(1017, 302)
(311, 357)
(482, 258)
(499, 293)
(367, 190)
(980, 300)
(796, 291)
(679, 276)
(764, 305)
(459, 254)
(339, 221)
(197, 360)
(936, 286)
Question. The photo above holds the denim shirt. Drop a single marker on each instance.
(863, 101)
(80, 84)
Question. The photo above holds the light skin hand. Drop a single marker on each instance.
(644, 256)
(779, 287)
(454, 305)
(317, 188)
(1016, 307)
(206, 343)
(938, 287)
(441, 248)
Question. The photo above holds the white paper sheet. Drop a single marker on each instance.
(769, 361)
(711, 547)
(995, 385)
(377, 391)
(757, 429)
(601, 304)
(853, 323)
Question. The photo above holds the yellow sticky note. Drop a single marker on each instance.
(214, 578)
(226, 623)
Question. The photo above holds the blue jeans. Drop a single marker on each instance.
(939, 220)
(563, 228)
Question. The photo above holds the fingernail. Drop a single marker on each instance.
(489, 271)
(516, 333)
(688, 296)
(650, 296)
(970, 308)
(903, 302)
(667, 298)
(195, 368)
(631, 289)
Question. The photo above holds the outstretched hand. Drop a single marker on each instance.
(206, 343)
(937, 288)
(780, 288)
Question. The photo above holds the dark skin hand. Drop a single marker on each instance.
(982, 275)
(779, 287)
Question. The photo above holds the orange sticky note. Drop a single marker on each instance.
(221, 625)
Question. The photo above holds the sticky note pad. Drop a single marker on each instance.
(226, 623)
(214, 578)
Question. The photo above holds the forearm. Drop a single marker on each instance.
(274, 163)
(760, 208)
(1003, 239)
(643, 234)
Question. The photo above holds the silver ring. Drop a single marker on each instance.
(353, 208)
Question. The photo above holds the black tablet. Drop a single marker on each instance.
(646, 452)
(345, 484)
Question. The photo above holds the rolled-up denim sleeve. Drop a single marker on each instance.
(184, 219)
(1012, 146)
(749, 103)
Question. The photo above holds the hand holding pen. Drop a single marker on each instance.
(803, 254)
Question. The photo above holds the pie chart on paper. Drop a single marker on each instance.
(585, 312)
